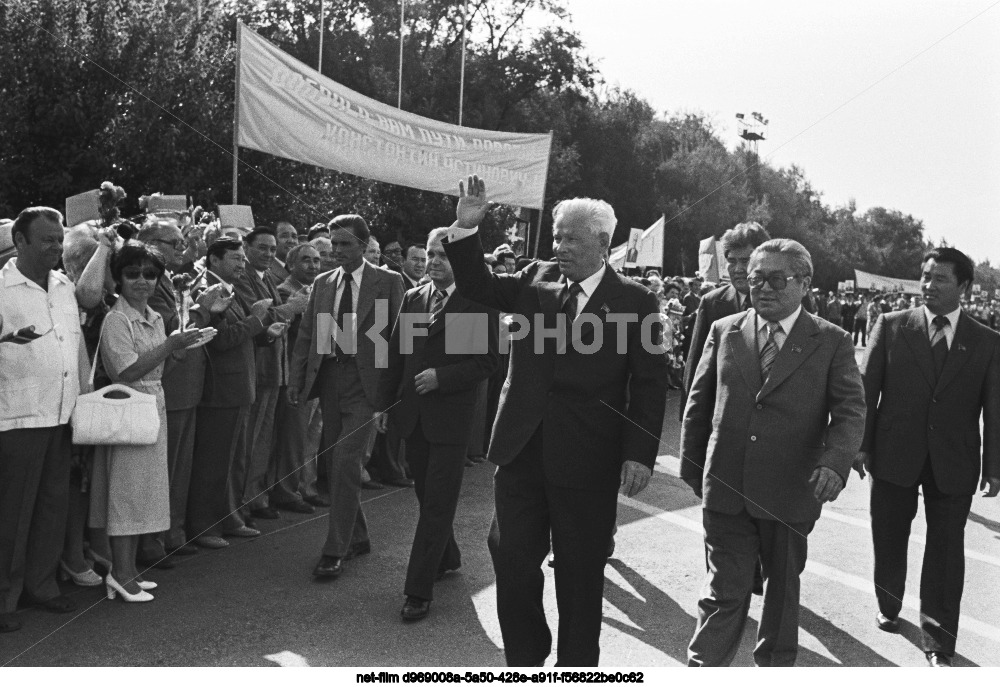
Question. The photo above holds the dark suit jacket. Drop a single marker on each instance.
(755, 445)
(271, 356)
(407, 282)
(596, 410)
(911, 416)
(278, 272)
(377, 285)
(184, 381)
(230, 381)
(716, 304)
(286, 289)
(445, 414)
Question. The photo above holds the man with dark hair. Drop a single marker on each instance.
(433, 389)
(392, 256)
(414, 265)
(931, 375)
(249, 476)
(737, 245)
(287, 238)
(344, 374)
(43, 368)
(230, 390)
(318, 229)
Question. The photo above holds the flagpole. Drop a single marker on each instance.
(319, 62)
(461, 82)
(236, 113)
(399, 96)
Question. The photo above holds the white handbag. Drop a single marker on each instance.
(114, 415)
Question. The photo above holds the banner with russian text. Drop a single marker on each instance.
(290, 110)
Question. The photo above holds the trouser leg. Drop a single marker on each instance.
(892, 510)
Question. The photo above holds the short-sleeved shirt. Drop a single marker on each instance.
(39, 380)
(128, 334)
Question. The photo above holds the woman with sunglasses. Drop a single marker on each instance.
(130, 490)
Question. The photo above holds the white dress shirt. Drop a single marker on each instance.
(779, 339)
(355, 288)
(949, 331)
(587, 285)
(39, 380)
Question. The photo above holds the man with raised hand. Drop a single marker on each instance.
(579, 418)
(772, 424)
(931, 375)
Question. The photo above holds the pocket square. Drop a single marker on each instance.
(605, 309)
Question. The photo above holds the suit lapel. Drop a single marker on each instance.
(549, 295)
(799, 345)
(742, 341)
(961, 349)
(915, 334)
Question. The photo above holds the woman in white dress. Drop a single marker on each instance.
(130, 494)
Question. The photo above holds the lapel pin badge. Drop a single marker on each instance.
(605, 309)
(961, 347)
(796, 349)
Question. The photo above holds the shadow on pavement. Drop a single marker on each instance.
(912, 634)
(662, 623)
(846, 648)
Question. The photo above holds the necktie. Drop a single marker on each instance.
(939, 343)
(345, 307)
(437, 301)
(770, 350)
(746, 302)
(570, 304)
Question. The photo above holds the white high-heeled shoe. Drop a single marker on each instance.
(146, 584)
(114, 588)
(87, 578)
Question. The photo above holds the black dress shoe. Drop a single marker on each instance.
(159, 563)
(297, 507)
(400, 482)
(359, 549)
(9, 622)
(318, 501)
(415, 608)
(57, 604)
(265, 513)
(887, 624)
(936, 659)
(372, 484)
(328, 567)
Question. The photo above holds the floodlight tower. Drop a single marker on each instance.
(752, 130)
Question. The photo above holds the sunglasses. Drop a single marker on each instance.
(133, 273)
(777, 282)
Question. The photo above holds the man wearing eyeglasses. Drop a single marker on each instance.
(773, 422)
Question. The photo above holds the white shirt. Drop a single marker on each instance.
(949, 331)
(588, 285)
(447, 294)
(779, 339)
(355, 288)
(40, 380)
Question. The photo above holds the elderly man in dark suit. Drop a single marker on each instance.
(435, 367)
(341, 365)
(579, 417)
(931, 375)
(182, 388)
(772, 425)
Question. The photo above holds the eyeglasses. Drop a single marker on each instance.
(176, 244)
(777, 282)
(134, 273)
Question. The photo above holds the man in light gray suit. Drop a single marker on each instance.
(775, 416)
(344, 374)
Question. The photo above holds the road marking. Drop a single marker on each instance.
(287, 659)
(670, 465)
(855, 582)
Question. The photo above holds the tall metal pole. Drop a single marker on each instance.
(319, 62)
(236, 112)
(399, 96)
(461, 82)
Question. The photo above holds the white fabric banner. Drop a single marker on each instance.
(876, 282)
(648, 248)
(290, 110)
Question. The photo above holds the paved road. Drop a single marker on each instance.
(254, 604)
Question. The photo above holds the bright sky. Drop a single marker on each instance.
(890, 102)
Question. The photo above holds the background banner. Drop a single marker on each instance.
(290, 110)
